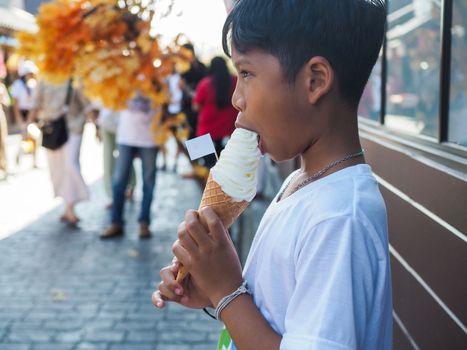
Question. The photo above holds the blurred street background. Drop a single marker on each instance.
(63, 288)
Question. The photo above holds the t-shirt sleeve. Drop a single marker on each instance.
(335, 267)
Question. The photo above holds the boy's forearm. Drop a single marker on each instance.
(247, 326)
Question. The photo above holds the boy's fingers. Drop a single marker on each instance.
(181, 253)
(175, 267)
(168, 279)
(214, 223)
(186, 239)
(168, 293)
(196, 229)
(157, 300)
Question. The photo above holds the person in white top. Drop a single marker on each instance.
(170, 110)
(133, 138)
(22, 91)
(318, 272)
(106, 126)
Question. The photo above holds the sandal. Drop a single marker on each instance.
(72, 221)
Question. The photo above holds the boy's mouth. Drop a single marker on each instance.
(260, 143)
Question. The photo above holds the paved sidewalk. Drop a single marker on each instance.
(64, 289)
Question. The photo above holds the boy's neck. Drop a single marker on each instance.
(338, 140)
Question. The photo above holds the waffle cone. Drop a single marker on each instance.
(223, 205)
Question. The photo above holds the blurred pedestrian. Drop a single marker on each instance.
(213, 101)
(188, 83)
(133, 138)
(50, 103)
(107, 123)
(170, 111)
(22, 92)
(4, 102)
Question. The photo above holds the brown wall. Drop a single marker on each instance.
(427, 215)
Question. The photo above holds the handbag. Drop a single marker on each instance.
(55, 132)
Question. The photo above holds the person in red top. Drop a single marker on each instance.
(213, 100)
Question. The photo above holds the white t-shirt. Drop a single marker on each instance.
(108, 119)
(319, 268)
(134, 128)
(19, 92)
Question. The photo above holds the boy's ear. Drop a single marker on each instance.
(319, 77)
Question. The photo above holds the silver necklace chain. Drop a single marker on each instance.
(317, 174)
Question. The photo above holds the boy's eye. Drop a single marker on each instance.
(244, 74)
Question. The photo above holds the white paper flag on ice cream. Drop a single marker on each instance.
(200, 146)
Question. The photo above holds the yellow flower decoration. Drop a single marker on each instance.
(163, 127)
(107, 46)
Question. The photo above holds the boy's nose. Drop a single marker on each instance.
(237, 100)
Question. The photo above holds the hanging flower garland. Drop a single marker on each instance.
(106, 46)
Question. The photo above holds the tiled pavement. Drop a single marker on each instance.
(64, 289)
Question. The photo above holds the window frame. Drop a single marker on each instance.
(441, 142)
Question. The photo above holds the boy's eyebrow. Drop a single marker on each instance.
(241, 61)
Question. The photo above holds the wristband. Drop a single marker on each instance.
(228, 299)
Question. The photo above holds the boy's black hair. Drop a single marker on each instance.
(348, 33)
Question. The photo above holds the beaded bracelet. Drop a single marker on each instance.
(228, 299)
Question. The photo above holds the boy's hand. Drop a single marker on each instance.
(169, 290)
(208, 254)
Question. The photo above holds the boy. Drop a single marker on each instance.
(318, 270)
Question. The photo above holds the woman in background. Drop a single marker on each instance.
(213, 101)
(50, 102)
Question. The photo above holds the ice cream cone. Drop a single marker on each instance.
(231, 183)
(223, 205)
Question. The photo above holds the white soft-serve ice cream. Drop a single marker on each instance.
(235, 171)
(232, 181)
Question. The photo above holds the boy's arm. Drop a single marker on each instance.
(212, 261)
(247, 326)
